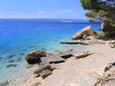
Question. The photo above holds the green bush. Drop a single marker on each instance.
(109, 29)
(100, 34)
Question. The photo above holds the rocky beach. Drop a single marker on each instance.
(91, 66)
(57, 42)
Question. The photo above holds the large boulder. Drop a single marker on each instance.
(84, 33)
(35, 57)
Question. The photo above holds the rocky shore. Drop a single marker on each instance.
(93, 66)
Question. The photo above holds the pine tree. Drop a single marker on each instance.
(101, 10)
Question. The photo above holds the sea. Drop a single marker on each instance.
(18, 37)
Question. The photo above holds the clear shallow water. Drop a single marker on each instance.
(17, 38)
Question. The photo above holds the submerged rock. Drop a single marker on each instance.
(11, 65)
(22, 53)
(0, 58)
(16, 59)
(4, 83)
(84, 33)
(11, 56)
(19, 59)
(29, 66)
(11, 61)
(35, 57)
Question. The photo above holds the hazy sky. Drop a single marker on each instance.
(41, 9)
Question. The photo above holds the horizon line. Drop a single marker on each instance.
(47, 18)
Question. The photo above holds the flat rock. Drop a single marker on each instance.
(56, 62)
(66, 56)
(53, 59)
(45, 73)
(66, 52)
(82, 55)
(57, 58)
(41, 69)
(75, 42)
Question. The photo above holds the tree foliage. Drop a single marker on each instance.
(101, 10)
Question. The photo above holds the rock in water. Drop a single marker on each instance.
(84, 33)
(11, 65)
(45, 73)
(4, 83)
(0, 58)
(35, 57)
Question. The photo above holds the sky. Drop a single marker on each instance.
(66, 9)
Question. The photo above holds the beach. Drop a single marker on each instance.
(78, 72)
(19, 37)
(62, 52)
(57, 43)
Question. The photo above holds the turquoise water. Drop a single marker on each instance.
(19, 37)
